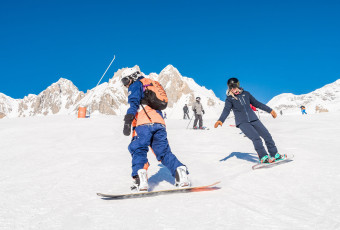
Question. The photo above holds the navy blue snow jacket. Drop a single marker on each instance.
(241, 108)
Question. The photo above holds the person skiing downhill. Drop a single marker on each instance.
(148, 130)
(239, 101)
(198, 111)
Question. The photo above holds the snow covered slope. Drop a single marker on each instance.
(63, 97)
(325, 99)
(53, 166)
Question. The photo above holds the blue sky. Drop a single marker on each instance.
(272, 46)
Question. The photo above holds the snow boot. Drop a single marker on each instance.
(181, 178)
(279, 157)
(195, 127)
(140, 182)
(266, 160)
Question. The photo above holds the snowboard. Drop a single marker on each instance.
(203, 128)
(288, 159)
(160, 192)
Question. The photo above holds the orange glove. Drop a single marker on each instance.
(218, 123)
(273, 113)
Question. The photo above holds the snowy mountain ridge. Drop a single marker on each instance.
(325, 99)
(109, 98)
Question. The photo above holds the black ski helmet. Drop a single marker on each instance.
(233, 83)
(198, 98)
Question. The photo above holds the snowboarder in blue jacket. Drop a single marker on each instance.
(149, 130)
(239, 101)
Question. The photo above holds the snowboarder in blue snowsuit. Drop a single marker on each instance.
(148, 130)
(303, 110)
(239, 101)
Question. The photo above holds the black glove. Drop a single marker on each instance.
(127, 125)
(194, 111)
(203, 112)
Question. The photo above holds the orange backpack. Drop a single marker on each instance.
(154, 94)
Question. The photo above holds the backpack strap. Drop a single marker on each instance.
(143, 81)
(146, 113)
(146, 86)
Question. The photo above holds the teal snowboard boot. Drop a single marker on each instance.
(266, 160)
(279, 157)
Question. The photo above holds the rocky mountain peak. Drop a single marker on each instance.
(63, 85)
(63, 97)
(325, 99)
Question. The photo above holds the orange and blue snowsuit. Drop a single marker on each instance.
(148, 130)
(303, 110)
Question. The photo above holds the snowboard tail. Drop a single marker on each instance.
(161, 192)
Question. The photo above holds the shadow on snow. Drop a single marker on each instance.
(163, 174)
(243, 156)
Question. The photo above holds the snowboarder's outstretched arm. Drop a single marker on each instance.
(258, 104)
(261, 106)
(225, 113)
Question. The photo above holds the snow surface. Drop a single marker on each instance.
(53, 166)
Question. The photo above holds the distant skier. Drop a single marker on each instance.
(239, 101)
(281, 112)
(303, 110)
(198, 111)
(186, 112)
(165, 115)
(148, 130)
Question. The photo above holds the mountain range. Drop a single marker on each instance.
(325, 99)
(109, 98)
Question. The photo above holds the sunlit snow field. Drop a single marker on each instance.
(52, 167)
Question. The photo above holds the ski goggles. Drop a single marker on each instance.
(126, 81)
(234, 85)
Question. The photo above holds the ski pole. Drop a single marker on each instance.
(190, 121)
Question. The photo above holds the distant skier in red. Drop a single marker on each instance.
(242, 104)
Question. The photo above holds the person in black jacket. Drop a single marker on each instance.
(239, 101)
(186, 112)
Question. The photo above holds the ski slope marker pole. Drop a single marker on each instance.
(114, 57)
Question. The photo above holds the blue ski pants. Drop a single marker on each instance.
(155, 136)
(254, 131)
